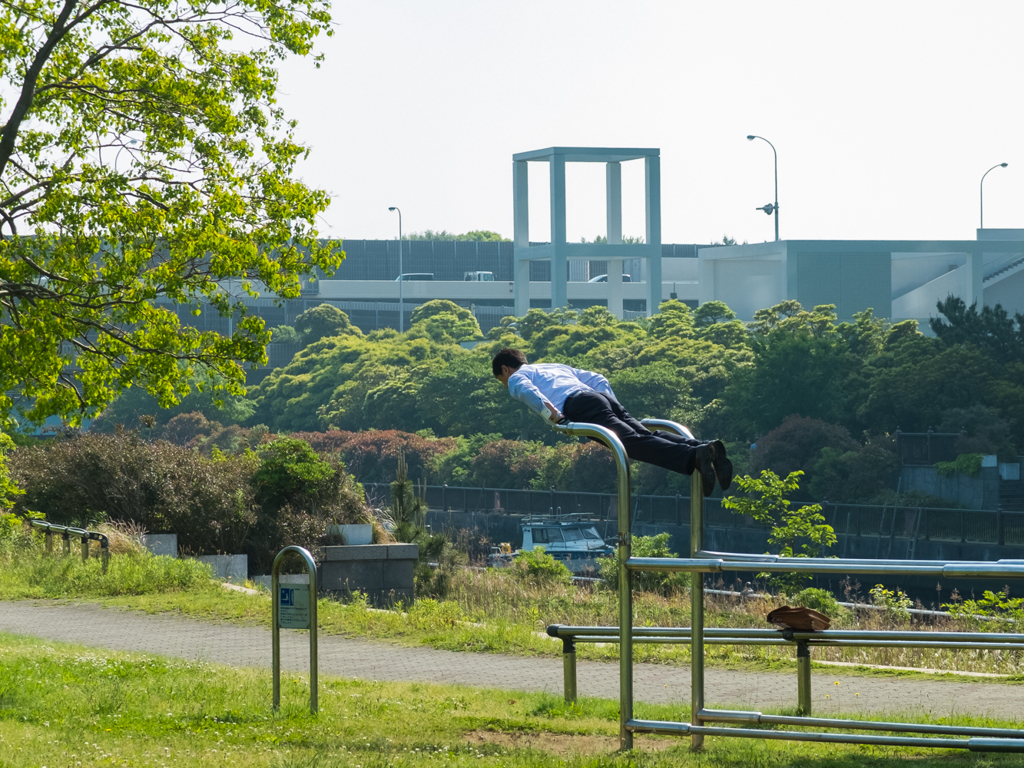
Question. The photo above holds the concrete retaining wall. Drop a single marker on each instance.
(383, 571)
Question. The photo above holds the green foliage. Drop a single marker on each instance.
(443, 322)
(996, 605)
(284, 334)
(855, 475)
(146, 157)
(895, 602)
(991, 329)
(968, 464)
(9, 490)
(540, 568)
(137, 409)
(322, 321)
(476, 235)
(823, 601)
(796, 532)
(646, 581)
(290, 472)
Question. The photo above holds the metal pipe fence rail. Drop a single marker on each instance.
(801, 641)
(701, 562)
(894, 528)
(67, 532)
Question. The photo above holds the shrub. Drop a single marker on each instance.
(299, 494)
(646, 581)
(538, 567)
(158, 486)
(796, 532)
(968, 464)
(797, 444)
(508, 464)
(821, 600)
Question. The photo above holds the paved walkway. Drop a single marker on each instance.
(173, 635)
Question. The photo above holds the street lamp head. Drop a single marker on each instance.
(751, 138)
(1003, 165)
(392, 208)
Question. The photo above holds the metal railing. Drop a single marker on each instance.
(67, 532)
(701, 562)
(802, 641)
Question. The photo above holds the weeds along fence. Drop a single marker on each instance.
(896, 528)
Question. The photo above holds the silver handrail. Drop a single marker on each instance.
(701, 562)
(625, 551)
(67, 532)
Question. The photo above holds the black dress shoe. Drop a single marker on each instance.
(723, 467)
(704, 463)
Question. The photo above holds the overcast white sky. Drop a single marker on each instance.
(885, 115)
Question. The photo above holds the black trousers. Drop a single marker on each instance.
(663, 449)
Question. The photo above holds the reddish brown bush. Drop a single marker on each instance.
(372, 457)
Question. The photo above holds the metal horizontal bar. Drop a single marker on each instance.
(952, 645)
(685, 729)
(819, 565)
(560, 630)
(732, 716)
(729, 556)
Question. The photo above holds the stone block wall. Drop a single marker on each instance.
(383, 571)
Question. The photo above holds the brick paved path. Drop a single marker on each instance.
(173, 635)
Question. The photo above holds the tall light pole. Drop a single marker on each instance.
(401, 280)
(771, 207)
(982, 195)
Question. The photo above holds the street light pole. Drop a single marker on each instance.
(982, 194)
(401, 276)
(773, 208)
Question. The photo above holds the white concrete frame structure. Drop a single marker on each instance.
(559, 252)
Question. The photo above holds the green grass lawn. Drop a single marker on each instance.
(64, 705)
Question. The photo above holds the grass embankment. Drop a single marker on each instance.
(487, 611)
(63, 705)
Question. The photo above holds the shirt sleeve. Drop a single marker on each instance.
(595, 381)
(521, 388)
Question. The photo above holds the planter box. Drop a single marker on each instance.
(161, 543)
(227, 567)
(383, 571)
(354, 535)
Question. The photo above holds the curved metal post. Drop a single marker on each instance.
(625, 550)
(275, 617)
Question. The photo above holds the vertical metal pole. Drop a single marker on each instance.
(803, 678)
(569, 668)
(85, 548)
(275, 634)
(314, 665)
(696, 610)
(625, 610)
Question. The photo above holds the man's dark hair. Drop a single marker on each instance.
(513, 358)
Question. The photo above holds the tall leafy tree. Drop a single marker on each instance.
(143, 156)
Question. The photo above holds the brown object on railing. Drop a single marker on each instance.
(800, 619)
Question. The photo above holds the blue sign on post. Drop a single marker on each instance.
(293, 607)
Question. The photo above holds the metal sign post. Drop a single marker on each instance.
(293, 607)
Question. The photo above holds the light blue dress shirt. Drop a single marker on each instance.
(553, 382)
